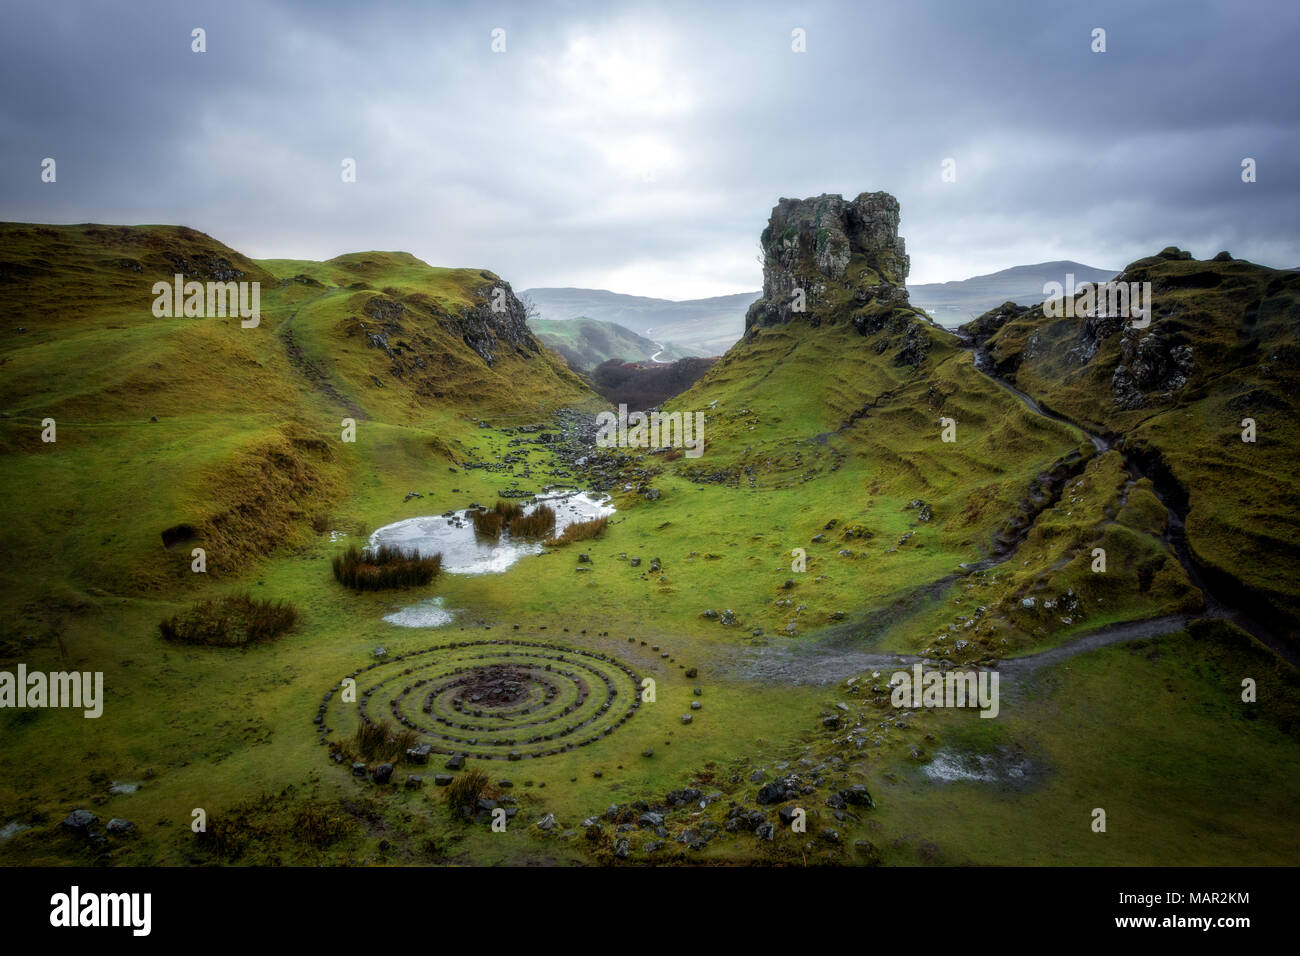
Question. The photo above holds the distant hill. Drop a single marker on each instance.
(711, 326)
(695, 326)
(585, 343)
(952, 303)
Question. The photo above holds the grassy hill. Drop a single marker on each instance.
(1223, 346)
(585, 343)
(232, 433)
(701, 327)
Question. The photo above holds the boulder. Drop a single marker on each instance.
(78, 821)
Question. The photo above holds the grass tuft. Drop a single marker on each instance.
(230, 622)
(491, 522)
(380, 741)
(538, 523)
(465, 791)
(383, 568)
(579, 531)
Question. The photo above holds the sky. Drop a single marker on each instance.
(640, 147)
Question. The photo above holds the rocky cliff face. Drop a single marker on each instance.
(485, 329)
(844, 260)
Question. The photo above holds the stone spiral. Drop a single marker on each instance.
(496, 699)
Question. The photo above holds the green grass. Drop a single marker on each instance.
(1155, 733)
(1240, 321)
(807, 428)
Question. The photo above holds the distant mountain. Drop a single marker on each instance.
(695, 326)
(952, 303)
(711, 326)
(585, 343)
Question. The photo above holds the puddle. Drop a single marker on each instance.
(464, 552)
(949, 766)
(117, 789)
(428, 613)
(12, 829)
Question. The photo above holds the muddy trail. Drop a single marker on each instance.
(840, 652)
(821, 663)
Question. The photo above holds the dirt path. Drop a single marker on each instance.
(309, 370)
(820, 663)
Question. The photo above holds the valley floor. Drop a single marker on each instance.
(1152, 730)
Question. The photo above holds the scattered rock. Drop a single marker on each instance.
(79, 820)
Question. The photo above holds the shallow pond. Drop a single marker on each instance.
(464, 552)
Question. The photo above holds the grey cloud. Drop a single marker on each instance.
(641, 147)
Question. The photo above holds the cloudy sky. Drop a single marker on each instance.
(639, 147)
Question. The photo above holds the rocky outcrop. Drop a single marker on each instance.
(826, 259)
(497, 321)
(1149, 363)
(982, 329)
(495, 324)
